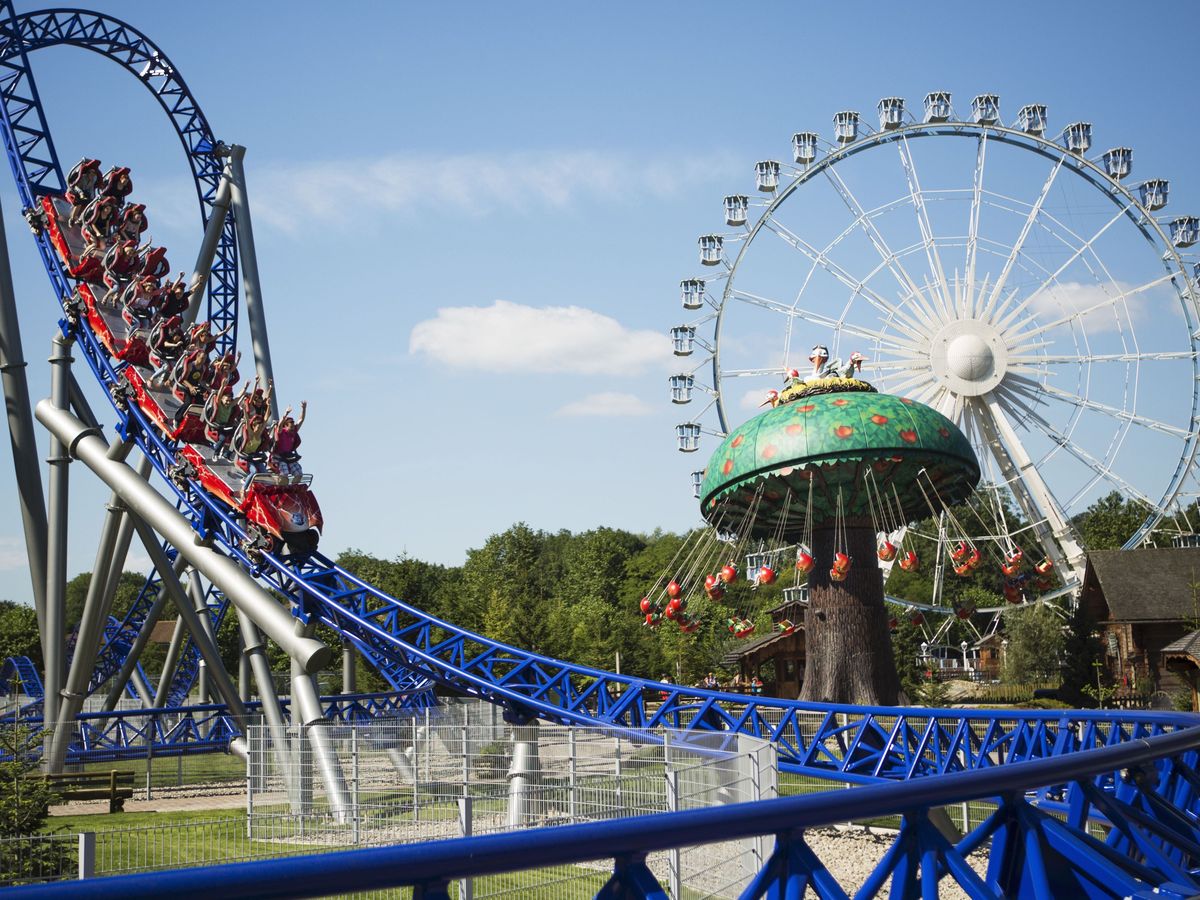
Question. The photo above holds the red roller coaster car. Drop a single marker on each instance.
(278, 509)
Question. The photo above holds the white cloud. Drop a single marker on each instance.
(511, 337)
(1099, 305)
(608, 404)
(12, 554)
(753, 399)
(340, 191)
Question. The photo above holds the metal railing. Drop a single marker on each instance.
(1151, 841)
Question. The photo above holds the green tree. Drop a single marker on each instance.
(1036, 644)
(1109, 522)
(19, 632)
(24, 808)
(906, 650)
(1082, 650)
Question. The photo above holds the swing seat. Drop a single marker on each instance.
(887, 551)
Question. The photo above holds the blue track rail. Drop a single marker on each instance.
(1151, 851)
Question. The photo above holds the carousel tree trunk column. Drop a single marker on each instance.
(848, 651)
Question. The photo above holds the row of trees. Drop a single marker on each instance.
(575, 597)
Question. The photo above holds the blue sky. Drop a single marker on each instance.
(472, 219)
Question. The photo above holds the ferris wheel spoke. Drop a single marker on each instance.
(798, 312)
(748, 373)
(1114, 412)
(916, 381)
(1100, 468)
(1019, 244)
(859, 288)
(863, 219)
(1005, 318)
(931, 250)
(1095, 307)
(1074, 360)
(1020, 400)
(973, 223)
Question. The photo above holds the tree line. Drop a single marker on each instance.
(575, 597)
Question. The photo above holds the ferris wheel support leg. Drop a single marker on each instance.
(208, 249)
(241, 589)
(254, 650)
(53, 633)
(21, 435)
(314, 729)
(1031, 492)
(91, 628)
(251, 286)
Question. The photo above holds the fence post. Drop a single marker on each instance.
(756, 795)
(619, 776)
(87, 854)
(354, 779)
(416, 769)
(150, 755)
(673, 855)
(250, 784)
(466, 886)
(466, 758)
(571, 773)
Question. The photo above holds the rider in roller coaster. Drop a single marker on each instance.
(81, 188)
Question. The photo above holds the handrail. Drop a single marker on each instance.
(433, 864)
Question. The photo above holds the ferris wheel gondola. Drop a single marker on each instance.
(997, 273)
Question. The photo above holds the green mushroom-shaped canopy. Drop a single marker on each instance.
(856, 446)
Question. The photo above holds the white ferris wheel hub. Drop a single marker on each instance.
(969, 357)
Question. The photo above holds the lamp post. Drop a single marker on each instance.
(963, 646)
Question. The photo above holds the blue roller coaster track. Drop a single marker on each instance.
(1136, 772)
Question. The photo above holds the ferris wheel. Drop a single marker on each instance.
(1006, 275)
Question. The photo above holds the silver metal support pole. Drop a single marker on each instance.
(272, 711)
(244, 592)
(170, 661)
(523, 774)
(201, 635)
(251, 287)
(21, 435)
(349, 663)
(141, 687)
(91, 628)
(307, 713)
(200, 604)
(121, 549)
(129, 667)
(53, 634)
(208, 250)
(244, 675)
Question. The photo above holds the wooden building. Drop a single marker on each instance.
(1145, 601)
(777, 657)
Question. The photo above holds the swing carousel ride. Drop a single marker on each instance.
(1019, 303)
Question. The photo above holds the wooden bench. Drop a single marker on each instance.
(114, 786)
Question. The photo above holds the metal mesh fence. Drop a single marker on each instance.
(462, 771)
